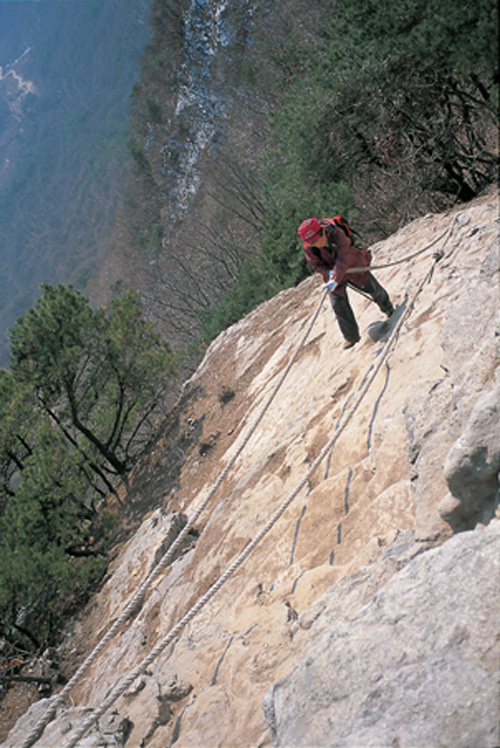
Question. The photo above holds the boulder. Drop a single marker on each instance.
(416, 666)
(471, 467)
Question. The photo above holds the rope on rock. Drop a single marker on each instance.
(408, 257)
(134, 604)
(238, 561)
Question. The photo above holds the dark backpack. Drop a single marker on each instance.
(342, 223)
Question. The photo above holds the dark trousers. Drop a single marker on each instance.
(343, 310)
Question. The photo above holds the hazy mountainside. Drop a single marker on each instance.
(250, 116)
(199, 132)
(223, 86)
(66, 73)
(247, 117)
(365, 484)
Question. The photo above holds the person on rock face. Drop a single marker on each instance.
(331, 253)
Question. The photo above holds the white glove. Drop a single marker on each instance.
(332, 284)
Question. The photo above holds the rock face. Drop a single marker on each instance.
(360, 603)
(471, 466)
(417, 665)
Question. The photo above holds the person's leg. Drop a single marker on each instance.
(378, 294)
(345, 317)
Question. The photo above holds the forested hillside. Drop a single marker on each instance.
(246, 119)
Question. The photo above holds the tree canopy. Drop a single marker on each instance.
(387, 112)
(462, 37)
(83, 394)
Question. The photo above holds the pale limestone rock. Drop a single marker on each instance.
(371, 508)
(472, 465)
(417, 665)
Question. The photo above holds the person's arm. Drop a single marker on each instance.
(317, 263)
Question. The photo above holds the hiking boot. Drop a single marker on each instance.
(389, 310)
(350, 343)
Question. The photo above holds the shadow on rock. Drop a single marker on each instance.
(379, 331)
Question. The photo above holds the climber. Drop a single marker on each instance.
(329, 250)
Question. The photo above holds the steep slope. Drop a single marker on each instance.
(418, 459)
(410, 667)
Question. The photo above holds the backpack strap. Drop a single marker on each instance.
(343, 223)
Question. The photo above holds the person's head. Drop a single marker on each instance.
(312, 233)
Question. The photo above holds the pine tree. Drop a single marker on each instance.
(100, 375)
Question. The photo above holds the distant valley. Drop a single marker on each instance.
(66, 74)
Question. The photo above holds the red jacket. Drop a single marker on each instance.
(338, 254)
